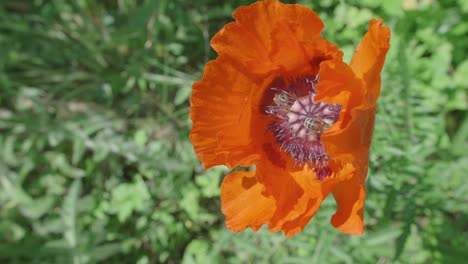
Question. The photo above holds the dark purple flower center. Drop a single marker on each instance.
(300, 121)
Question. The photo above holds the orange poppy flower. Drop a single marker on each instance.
(281, 98)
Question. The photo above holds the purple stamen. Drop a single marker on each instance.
(300, 122)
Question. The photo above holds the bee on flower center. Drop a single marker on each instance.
(314, 124)
(281, 99)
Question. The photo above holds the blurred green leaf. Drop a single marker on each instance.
(129, 197)
(182, 95)
(70, 213)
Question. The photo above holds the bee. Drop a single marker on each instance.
(315, 124)
(281, 99)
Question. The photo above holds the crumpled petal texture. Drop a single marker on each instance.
(270, 42)
(269, 36)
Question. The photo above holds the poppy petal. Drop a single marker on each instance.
(352, 144)
(220, 104)
(349, 195)
(339, 85)
(321, 50)
(252, 41)
(262, 17)
(349, 138)
(287, 52)
(314, 192)
(297, 192)
(243, 202)
(239, 45)
(369, 57)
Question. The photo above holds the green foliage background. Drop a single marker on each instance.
(96, 165)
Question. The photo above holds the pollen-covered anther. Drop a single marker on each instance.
(299, 124)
